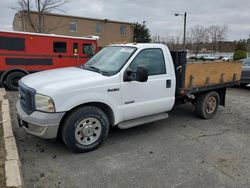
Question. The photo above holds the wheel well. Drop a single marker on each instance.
(104, 107)
(6, 73)
(221, 92)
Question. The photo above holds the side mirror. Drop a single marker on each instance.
(140, 75)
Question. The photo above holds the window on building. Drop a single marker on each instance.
(152, 59)
(60, 47)
(98, 28)
(122, 30)
(73, 27)
(88, 49)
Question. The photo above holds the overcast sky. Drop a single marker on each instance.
(158, 14)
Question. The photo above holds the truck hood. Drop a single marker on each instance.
(60, 79)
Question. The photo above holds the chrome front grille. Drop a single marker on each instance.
(27, 96)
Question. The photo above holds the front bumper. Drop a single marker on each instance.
(41, 124)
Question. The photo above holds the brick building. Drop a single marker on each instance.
(109, 31)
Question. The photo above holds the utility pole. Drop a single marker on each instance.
(185, 28)
(248, 47)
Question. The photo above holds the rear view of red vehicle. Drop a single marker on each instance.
(24, 53)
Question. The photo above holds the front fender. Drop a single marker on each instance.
(64, 104)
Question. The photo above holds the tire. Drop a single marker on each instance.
(12, 80)
(84, 129)
(207, 105)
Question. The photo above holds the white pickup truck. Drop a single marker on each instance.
(124, 85)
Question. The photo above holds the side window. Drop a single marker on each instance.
(88, 49)
(75, 48)
(152, 60)
(12, 43)
(59, 47)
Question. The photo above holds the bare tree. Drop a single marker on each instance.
(156, 39)
(217, 35)
(41, 7)
(173, 41)
(199, 36)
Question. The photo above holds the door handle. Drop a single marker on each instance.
(168, 84)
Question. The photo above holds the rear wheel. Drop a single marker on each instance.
(85, 129)
(12, 80)
(207, 105)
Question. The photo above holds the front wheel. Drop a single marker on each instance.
(207, 105)
(85, 129)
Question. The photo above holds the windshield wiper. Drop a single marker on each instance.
(92, 68)
(95, 69)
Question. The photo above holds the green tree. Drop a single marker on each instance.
(141, 33)
(239, 54)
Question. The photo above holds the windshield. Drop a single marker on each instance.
(110, 60)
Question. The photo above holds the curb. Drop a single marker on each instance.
(12, 163)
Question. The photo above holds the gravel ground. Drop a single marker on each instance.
(182, 151)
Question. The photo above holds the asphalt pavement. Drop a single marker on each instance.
(182, 151)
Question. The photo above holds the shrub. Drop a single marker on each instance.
(239, 54)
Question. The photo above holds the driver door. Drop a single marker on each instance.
(151, 97)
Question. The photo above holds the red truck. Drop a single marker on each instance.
(22, 53)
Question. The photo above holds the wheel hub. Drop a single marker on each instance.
(88, 131)
(211, 104)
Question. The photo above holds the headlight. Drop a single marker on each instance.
(44, 103)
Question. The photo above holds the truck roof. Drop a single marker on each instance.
(139, 45)
(51, 35)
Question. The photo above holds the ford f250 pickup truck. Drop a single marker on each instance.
(124, 85)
